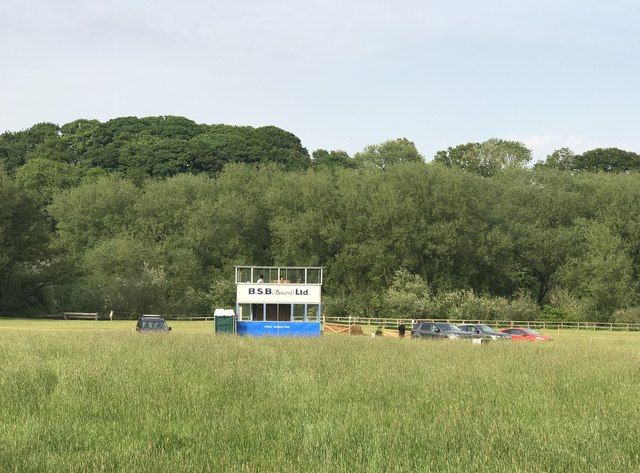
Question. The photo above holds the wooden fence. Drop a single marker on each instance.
(392, 323)
(536, 324)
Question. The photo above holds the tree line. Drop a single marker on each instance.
(152, 214)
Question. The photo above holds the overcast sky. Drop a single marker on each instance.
(337, 74)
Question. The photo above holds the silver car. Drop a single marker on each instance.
(442, 330)
(482, 329)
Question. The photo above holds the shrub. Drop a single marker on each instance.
(466, 305)
(626, 316)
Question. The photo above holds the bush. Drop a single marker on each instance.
(335, 306)
(466, 305)
(565, 306)
(408, 296)
(522, 308)
(554, 314)
(626, 316)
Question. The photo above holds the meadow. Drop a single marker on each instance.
(85, 396)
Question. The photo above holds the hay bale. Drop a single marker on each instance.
(356, 330)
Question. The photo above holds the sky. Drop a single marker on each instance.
(338, 74)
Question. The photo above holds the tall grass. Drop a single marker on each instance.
(79, 401)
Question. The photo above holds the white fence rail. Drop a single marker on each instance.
(392, 323)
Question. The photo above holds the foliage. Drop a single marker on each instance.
(128, 274)
(466, 305)
(16, 146)
(150, 213)
(25, 270)
(222, 293)
(607, 160)
(539, 214)
(408, 296)
(41, 179)
(332, 159)
(387, 154)
(163, 146)
(487, 158)
(562, 159)
(602, 274)
(626, 316)
(87, 214)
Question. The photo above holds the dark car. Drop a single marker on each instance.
(441, 330)
(482, 329)
(152, 323)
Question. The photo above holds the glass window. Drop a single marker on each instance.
(312, 313)
(314, 276)
(298, 313)
(283, 275)
(297, 276)
(261, 273)
(244, 312)
(243, 275)
(530, 331)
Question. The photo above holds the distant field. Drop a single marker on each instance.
(80, 396)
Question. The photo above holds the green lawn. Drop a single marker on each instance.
(81, 396)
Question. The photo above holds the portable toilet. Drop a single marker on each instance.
(224, 321)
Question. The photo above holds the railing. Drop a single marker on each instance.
(80, 315)
(392, 323)
(537, 324)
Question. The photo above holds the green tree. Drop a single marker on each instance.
(485, 159)
(607, 160)
(79, 135)
(92, 212)
(539, 210)
(408, 296)
(41, 179)
(166, 211)
(306, 222)
(233, 227)
(562, 159)
(152, 156)
(332, 159)
(387, 154)
(14, 147)
(25, 272)
(128, 275)
(615, 200)
(602, 275)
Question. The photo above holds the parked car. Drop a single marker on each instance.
(441, 330)
(526, 334)
(482, 329)
(152, 323)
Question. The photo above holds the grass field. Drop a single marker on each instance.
(86, 396)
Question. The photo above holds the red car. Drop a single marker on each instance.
(526, 334)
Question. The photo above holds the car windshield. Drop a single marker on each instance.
(154, 324)
(485, 329)
(447, 327)
(530, 331)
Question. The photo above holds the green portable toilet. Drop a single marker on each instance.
(224, 321)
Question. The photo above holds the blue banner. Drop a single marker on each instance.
(278, 329)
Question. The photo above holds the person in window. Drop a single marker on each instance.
(260, 279)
